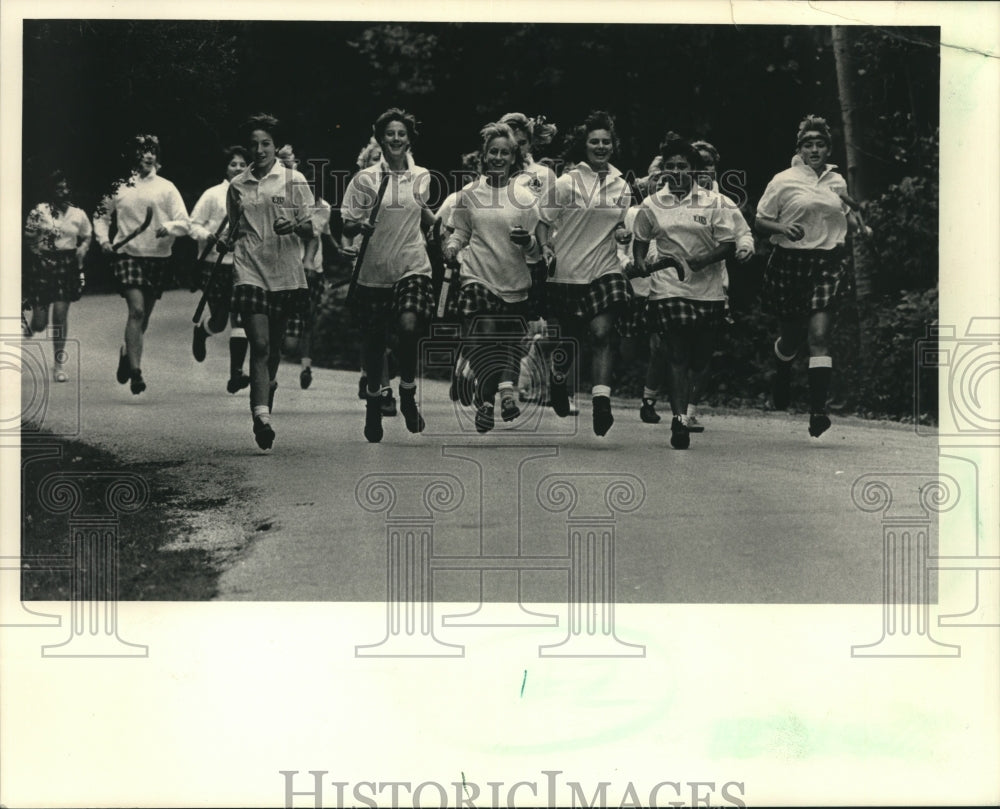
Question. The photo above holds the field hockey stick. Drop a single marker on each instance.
(449, 274)
(137, 231)
(675, 261)
(855, 207)
(367, 237)
(211, 278)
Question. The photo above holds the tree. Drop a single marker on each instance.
(857, 175)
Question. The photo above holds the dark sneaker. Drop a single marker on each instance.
(602, 415)
(680, 437)
(484, 417)
(819, 423)
(373, 420)
(408, 407)
(781, 386)
(363, 388)
(388, 403)
(124, 367)
(695, 426)
(648, 412)
(305, 378)
(558, 395)
(237, 383)
(137, 385)
(270, 395)
(198, 343)
(508, 408)
(263, 433)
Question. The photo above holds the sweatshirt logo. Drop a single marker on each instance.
(278, 200)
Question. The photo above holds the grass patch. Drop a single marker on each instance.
(146, 571)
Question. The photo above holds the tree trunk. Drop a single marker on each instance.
(857, 175)
(857, 178)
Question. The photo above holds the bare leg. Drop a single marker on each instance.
(60, 329)
(602, 358)
(258, 333)
(39, 318)
(135, 326)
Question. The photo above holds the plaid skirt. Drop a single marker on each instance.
(414, 293)
(799, 282)
(149, 274)
(54, 277)
(218, 290)
(610, 291)
(633, 322)
(277, 305)
(665, 314)
(477, 299)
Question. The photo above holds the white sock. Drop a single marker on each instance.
(601, 390)
(692, 411)
(261, 412)
(649, 393)
(307, 362)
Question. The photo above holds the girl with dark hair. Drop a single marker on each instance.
(804, 213)
(58, 235)
(270, 210)
(394, 287)
(692, 227)
(493, 221)
(206, 218)
(587, 291)
(141, 265)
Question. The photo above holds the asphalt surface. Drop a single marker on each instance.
(755, 511)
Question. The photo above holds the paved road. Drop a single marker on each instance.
(756, 511)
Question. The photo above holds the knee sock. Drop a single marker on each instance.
(820, 371)
(238, 345)
(206, 324)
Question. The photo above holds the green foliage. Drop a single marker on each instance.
(401, 59)
(903, 251)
